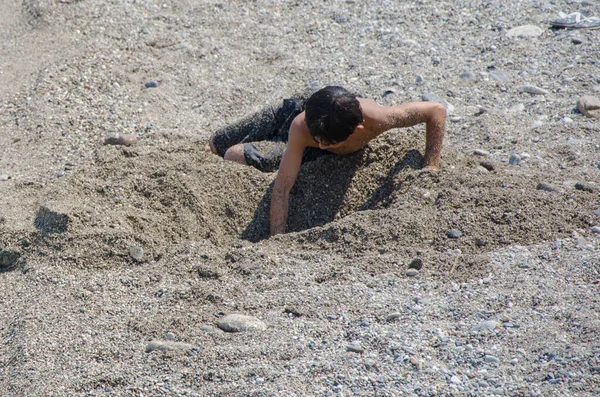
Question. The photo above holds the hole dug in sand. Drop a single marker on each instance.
(159, 195)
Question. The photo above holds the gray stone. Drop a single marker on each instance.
(481, 152)
(8, 258)
(412, 272)
(416, 263)
(137, 253)
(4, 177)
(453, 233)
(589, 106)
(576, 40)
(488, 325)
(151, 84)
(525, 31)
(490, 359)
(49, 221)
(208, 272)
(584, 187)
(241, 323)
(500, 76)
(429, 97)
(355, 349)
(393, 316)
(167, 345)
(488, 165)
(514, 159)
(546, 187)
(533, 90)
(595, 229)
(419, 79)
(455, 379)
(120, 139)
(596, 212)
(467, 75)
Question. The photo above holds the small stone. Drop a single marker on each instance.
(488, 165)
(533, 90)
(4, 177)
(481, 152)
(584, 187)
(525, 31)
(389, 91)
(546, 187)
(207, 272)
(456, 380)
(436, 61)
(596, 212)
(416, 263)
(419, 79)
(241, 323)
(428, 97)
(120, 139)
(167, 345)
(137, 253)
(488, 325)
(576, 40)
(355, 349)
(589, 106)
(115, 85)
(500, 76)
(8, 258)
(453, 233)
(467, 75)
(393, 316)
(416, 362)
(170, 335)
(566, 120)
(514, 159)
(514, 361)
(151, 84)
(412, 272)
(490, 359)
(595, 229)
(294, 311)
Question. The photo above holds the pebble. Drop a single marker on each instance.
(151, 84)
(393, 316)
(241, 323)
(488, 325)
(120, 139)
(525, 31)
(500, 76)
(456, 380)
(488, 165)
(170, 335)
(428, 97)
(453, 233)
(419, 79)
(595, 229)
(596, 212)
(481, 152)
(355, 349)
(412, 272)
(167, 345)
(8, 258)
(576, 40)
(546, 187)
(567, 120)
(519, 107)
(584, 187)
(4, 177)
(514, 361)
(490, 359)
(514, 159)
(137, 253)
(416, 263)
(467, 75)
(589, 106)
(205, 271)
(533, 90)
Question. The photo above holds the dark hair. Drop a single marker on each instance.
(332, 114)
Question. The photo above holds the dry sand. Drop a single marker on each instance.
(105, 249)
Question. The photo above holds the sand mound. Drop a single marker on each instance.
(164, 192)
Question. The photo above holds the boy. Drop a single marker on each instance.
(332, 120)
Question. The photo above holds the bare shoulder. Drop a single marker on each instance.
(299, 136)
(411, 113)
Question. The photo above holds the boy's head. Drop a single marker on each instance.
(332, 114)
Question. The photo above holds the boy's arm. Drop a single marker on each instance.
(286, 176)
(431, 113)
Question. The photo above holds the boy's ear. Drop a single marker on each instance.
(359, 128)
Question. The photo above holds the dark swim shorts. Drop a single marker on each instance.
(264, 135)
